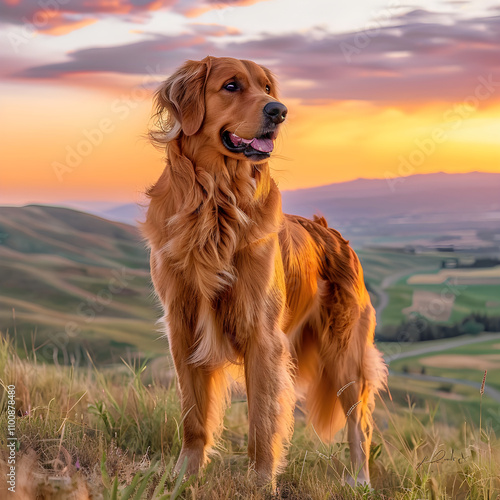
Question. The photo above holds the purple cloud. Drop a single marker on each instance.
(417, 59)
(46, 15)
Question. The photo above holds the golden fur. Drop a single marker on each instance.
(241, 282)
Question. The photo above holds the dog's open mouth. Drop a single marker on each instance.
(258, 146)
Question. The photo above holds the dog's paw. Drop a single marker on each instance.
(359, 482)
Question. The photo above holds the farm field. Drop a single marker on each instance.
(458, 277)
(444, 303)
(395, 350)
(466, 362)
(444, 401)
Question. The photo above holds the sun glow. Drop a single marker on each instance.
(75, 145)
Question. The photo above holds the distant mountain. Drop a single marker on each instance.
(457, 196)
(392, 211)
(130, 213)
(74, 281)
(462, 210)
(417, 195)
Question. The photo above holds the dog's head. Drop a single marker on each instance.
(231, 104)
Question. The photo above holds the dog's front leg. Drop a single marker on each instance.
(271, 400)
(203, 392)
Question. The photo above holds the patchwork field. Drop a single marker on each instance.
(446, 302)
(488, 276)
(467, 362)
(479, 361)
(431, 305)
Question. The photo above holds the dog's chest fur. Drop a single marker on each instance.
(216, 267)
(220, 325)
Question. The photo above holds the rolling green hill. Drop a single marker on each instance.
(70, 281)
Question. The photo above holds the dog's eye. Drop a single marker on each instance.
(231, 86)
(268, 89)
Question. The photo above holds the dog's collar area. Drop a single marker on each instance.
(257, 147)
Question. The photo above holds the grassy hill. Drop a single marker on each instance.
(71, 281)
(109, 433)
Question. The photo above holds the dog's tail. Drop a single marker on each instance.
(350, 370)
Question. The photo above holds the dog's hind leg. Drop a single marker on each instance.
(363, 366)
(359, 433)
(351, 370)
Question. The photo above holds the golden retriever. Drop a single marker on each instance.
(243, 283)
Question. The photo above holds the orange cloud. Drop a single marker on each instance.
(55, 17)
(198, 10)
(60, 26)
(49, 16)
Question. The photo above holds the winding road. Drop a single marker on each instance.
(389, 281)
(444, 346)
(490, 391)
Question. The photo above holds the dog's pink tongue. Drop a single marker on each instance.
(263, 145)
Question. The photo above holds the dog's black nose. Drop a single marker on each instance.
(275, 111)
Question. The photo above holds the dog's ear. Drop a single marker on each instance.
(183, 97)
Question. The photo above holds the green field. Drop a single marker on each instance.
(472, 299)
(474, 374)
(379, 264)
(392, 270)
(450, 403)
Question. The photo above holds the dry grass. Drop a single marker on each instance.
(91, 434)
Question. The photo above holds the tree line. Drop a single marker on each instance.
(418, 328)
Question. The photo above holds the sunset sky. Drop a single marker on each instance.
(374, 88)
